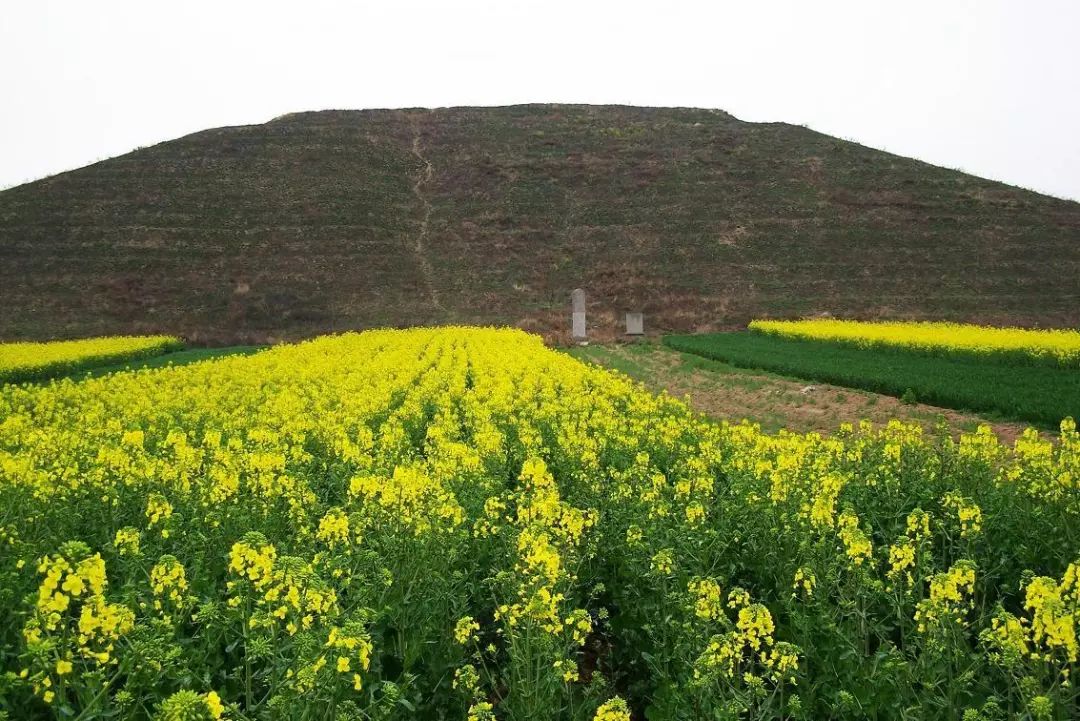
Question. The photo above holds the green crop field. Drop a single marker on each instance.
(1042, 395)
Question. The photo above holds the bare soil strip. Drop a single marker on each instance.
(423, 177)
(727, 392)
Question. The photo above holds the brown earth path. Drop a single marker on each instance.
(423, 177)
(727, 392)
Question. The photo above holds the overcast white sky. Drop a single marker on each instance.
(990, 87)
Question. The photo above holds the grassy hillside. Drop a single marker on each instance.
(342, 219)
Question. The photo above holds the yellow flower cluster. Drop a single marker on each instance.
(1047, 470)
(613, 710)
(1049, 632)
(334, 528)
(950, 596)
(126, 541)
(295, 595)
(354, 643)
(482, 711)
(1053, 606)
(918, 524)
(252, 559)
(1059, 346)
(72, 616)
(902, 560)
(663, 562)
(708, 598)
(905, 553)
(968, 513)
(465, 630)
(283, 589)
(158, 510)
(64, 581)
(548, 535)
(467, 679)
(335, 660)
(409, 497)
(748, 652)
(168, 581)
(857, 544)
(805, 580)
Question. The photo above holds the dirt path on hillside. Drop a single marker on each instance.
(423, 177)
(723, 391)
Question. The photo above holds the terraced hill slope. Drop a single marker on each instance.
(329, 220)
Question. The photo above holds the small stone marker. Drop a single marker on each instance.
(577, 299)
(635, 324)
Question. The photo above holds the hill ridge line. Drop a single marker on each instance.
(329, 221)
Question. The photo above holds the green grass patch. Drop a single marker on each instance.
(177, 358)
(1040, 395)
(604, 357)
(173, 358)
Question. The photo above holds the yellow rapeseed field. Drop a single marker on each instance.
(459, 523)
(26, 361)
(1055, 347)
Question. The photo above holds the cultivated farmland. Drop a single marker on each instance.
(1017, 346)
(1036, 393)
(36, 361)
(461, 523)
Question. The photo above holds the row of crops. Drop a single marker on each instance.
(463, 524)
(1020, 346)
(38, 361)
(914, 361)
